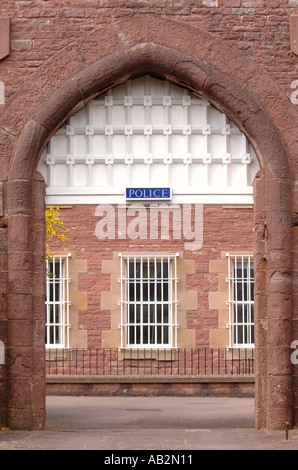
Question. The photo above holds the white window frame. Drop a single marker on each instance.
(245, 304)
(145, 261)
(57, 309)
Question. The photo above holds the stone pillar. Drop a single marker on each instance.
(38, 299)
(273, 303)
(260, 303)
(3, 313)
(25, 343)
(279, 304)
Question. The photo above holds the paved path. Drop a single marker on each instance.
(149, 423)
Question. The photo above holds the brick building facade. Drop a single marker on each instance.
(239, 57)
(119, 141)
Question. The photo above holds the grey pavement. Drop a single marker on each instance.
(150, 424)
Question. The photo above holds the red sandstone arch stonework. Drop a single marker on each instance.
(231, 81)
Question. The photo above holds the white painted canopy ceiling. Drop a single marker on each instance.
(148, 133)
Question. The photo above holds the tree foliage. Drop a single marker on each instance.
(54, 227)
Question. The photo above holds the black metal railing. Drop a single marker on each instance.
(147, 362)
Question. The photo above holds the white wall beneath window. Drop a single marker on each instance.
(148, 133)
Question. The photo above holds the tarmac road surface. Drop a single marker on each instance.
(148, 424)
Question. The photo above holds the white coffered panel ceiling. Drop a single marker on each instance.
(148, 133)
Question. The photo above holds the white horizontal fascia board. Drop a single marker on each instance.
(209, 190)
(98, 191)
(78, 191)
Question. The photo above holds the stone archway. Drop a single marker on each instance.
(107, 57)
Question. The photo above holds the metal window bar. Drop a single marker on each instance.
(241, 300)
(57, 302)
(148, 300)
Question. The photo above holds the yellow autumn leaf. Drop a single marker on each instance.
(54, 227)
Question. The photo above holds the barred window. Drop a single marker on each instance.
(241, 300)
(148, 301)
(57, 302)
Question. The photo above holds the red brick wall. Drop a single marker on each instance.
(40, 28)
(224, 230)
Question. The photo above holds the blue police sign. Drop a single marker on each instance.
(150, 194)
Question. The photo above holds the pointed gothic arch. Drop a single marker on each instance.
(202, 63)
